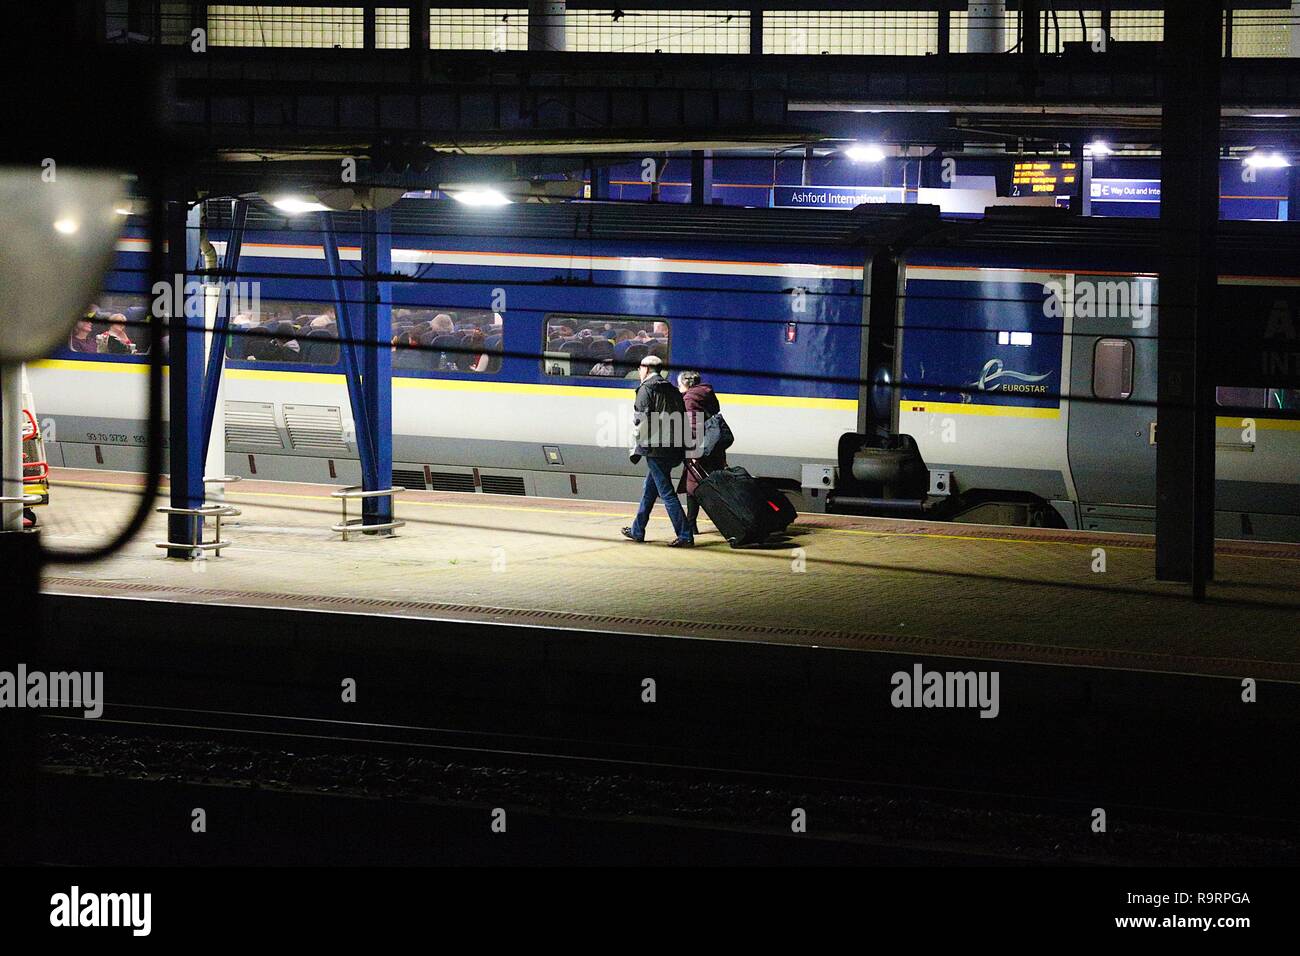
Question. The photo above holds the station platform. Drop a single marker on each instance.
(968, 591)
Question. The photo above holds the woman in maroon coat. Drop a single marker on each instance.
(701, 404)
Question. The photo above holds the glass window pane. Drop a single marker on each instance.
(602, 345)
(431, 339)
(292, 333)
(1112, 369)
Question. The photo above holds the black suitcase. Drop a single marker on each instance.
(744, 509)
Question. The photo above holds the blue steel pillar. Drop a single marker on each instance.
(216, 357)
(186, 444)
(377, 359)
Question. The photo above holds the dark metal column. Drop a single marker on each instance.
(1031, 27)
(376, 358)
(419, 25)
(350, 351)
(1189, 214)
(187, 449)
(20, 557)
(755, 29)
(701, 177)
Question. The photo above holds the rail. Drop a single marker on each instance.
(215, 512)
(355, 493)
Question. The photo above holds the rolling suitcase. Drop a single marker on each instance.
(744, 509)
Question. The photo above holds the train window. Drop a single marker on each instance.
(114, 324)
(609, 346)
(427, 339)
(1112, 368)
(294, 333)
(1277, 399)
(1015, 338)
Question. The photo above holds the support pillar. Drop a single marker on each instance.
(11, 458)
(701, 177)
(377, 359)
(546, 25)
(1031, 27)
(1189, 214)
(186, 439)
(351, 354)
(599, 179)
(20, 557)
(984, 27)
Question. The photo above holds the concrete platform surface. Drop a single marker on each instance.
(874, 584)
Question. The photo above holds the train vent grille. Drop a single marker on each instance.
(451, 481)
(252, 423)
(503, 485)
(408, 478)
(315, 427)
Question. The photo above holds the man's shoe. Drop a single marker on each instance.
(627, 533)
(682, 543)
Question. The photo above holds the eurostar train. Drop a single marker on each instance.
(881, 361)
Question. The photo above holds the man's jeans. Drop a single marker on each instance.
(659, 484)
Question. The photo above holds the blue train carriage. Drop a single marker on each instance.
(514, 335)
(1024, 378)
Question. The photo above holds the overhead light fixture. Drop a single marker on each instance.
(1098, 147)
(865, 153)
(1262, 160)
(480, 196)
(296, 205)
(47, 280)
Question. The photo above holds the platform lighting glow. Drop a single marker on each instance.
(295, 205)
(481, 196)
(66, 226)
(1099, 147)
(122, 210)
(865, 153)
(1260, 160)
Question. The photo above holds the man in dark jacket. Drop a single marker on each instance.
(660, 419)
(701, 405)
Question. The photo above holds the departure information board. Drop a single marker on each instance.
(1045, 178)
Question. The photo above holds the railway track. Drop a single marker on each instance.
(687, 794)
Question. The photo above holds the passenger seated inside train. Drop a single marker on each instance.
(116, 341)
(83, 337)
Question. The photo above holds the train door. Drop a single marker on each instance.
(1112, 430)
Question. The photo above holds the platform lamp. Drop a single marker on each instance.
(58, 231)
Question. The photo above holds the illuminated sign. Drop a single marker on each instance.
(1045, 178)
(834, 197)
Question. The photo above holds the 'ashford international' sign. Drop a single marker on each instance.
(833, 197)
(1257, 335)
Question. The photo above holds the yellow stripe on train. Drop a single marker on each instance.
(971, 408)
(480, 385)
